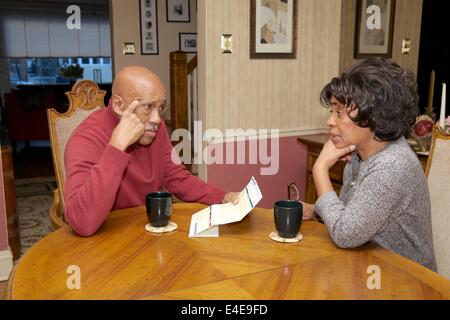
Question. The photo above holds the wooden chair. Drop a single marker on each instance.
(438, 175)
(84, 98)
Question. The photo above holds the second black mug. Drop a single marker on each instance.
(288, 216)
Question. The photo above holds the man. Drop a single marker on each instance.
(122, 152)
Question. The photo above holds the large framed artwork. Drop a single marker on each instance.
(273, 29)
(149, 26)
(374, 28)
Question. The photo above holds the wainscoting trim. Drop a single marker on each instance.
(284, 133)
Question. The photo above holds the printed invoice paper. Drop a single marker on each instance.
(205, 222)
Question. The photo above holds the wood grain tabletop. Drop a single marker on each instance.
(123, 261)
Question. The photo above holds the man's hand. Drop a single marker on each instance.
(232, 197)
(129, 129)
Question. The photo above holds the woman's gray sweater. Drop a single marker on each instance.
(383, 199)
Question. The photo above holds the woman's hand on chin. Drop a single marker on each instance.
(330, 155)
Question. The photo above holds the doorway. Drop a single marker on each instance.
(434, 53)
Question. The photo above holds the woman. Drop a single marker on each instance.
(385, 196)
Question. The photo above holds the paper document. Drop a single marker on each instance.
(205, 222)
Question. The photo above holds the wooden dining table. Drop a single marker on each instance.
(124, 261)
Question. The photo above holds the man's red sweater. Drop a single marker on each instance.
(101, 178)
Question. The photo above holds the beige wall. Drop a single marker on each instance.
(238, 92)
(408, 19)
(125, 28)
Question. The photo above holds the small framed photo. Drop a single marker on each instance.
(374, 28)
(273, 29)
(188, 42)
(178, 11)
(149, 26)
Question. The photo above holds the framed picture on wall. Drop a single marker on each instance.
(374, 28)
(273, 29)
(178, 11)
(188, 42)
(148, 13)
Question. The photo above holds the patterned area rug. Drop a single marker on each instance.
(34, 200)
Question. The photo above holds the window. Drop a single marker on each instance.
(47, 70)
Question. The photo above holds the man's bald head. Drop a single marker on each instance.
(138, 93)
(136, 82)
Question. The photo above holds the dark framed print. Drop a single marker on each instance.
(188, 42)
(149, 26)
(273, 29)
(178, 11)
(374, 28)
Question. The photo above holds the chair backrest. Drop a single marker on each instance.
(84, 98)
(438, 175)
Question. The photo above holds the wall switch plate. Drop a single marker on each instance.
(227, 43)
(128, 48)
(406, 46)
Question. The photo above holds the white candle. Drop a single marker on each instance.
(442, 117)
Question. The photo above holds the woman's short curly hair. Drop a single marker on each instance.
(384, 94)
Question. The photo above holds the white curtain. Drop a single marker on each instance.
(26, 33)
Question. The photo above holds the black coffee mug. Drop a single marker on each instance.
(159, 208)
(288, 218)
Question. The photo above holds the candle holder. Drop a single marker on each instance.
(432, 115)
(423, 142)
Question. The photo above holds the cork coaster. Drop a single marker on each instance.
(172, 226)
(275, 237)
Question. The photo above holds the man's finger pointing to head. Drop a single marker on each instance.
(132, 106)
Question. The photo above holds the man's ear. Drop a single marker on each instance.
(116, 104)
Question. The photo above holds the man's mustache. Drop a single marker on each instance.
(151, 127)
